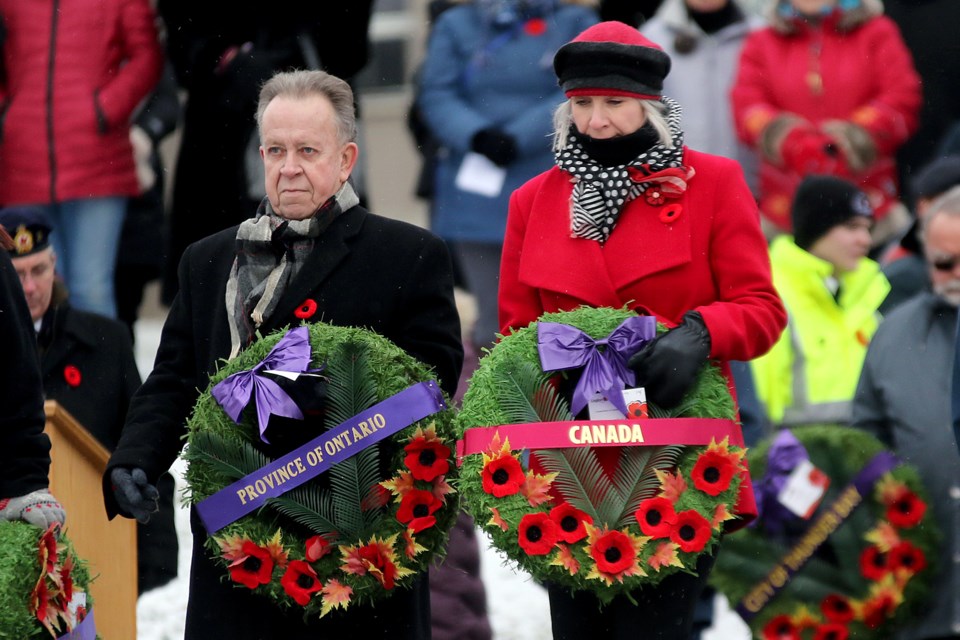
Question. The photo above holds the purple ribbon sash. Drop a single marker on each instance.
(86, 630)
(292, 354)
(785, 454)
(310, 460)
(822, 528)
(604, 360)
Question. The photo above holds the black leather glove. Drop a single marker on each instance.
(500, 147)
(135, 496)
(668, 365)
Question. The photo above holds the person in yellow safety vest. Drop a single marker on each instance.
(831, 291)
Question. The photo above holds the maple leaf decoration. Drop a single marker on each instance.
(399, 485)
(672, 485)
(720, 515)
(497, 520)
(335, 595)
(665, 556)
(884, 536)
(565, 558)
(536, 487)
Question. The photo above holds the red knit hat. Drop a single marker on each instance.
(612, 58)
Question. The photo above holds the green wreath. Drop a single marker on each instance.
(43, 584)
(871, 573)
(575, 526)
(366, 526)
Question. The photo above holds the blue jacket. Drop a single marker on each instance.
(476, 77)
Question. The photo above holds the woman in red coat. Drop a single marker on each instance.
(830, 88)
(73, 74)
(630, 216)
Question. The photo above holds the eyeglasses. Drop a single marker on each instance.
(945, 263)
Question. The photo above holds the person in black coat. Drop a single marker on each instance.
(222, 51)
(88, 367)
(24, 447)
(356, 268)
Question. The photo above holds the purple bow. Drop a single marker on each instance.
(605, 369)
(785, 454)
(233, 393)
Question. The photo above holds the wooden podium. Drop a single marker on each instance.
(109, 547)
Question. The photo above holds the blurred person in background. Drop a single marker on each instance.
(73, 74)
(828, 88)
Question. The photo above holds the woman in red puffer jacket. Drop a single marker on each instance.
(73, 73)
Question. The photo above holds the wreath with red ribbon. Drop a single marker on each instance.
(357, 531)
(859, 566)
(564, 514)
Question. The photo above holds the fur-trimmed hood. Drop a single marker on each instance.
(848, 21)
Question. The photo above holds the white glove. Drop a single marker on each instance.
(39, 508)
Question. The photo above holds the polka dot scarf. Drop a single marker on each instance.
(599, 192)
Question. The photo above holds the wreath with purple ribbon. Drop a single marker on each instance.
(320, 460)
(857, 566)
(567, 515)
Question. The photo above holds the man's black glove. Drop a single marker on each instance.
(500, 147)
(667, 366)
(135, 496)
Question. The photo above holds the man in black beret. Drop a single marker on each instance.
(88, 366)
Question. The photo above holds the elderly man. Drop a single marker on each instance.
(360, 269)
(903, 397)
(24, 447)
(87, 365)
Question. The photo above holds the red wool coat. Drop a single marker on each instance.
(75, 72)
(861, 73)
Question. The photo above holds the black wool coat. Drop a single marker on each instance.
(24, 447)
(365, 271)
(88, 366)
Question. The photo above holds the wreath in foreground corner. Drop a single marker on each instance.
(359, 530)
(43, 584)
(566, 520)
(858, 567)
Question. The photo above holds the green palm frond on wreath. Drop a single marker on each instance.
(231, 456)
(526, 395)
(312, 509)
(580, 478)
(352, 389)
(636, 478)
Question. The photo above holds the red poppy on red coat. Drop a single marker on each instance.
(537, 534)
(306, 309)
(656, 517)
(654, 196)
(692, 531)
(535, 27)
(72, 375)
(670, 213)
(300, 581)
(570, 522)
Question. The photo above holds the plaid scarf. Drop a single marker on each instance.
(270, 252)
(600, 193)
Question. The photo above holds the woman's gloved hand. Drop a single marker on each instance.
(38, 508)
(668, 365)
(496, 145)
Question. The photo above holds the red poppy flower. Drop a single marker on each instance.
(300, 581)
(613, 552)
(671, 213)
(906, 511)
(637, 410)
(832, 631)
(427, 459)
(781, 628)
(656, 517)
(502, 476)
(535, 27)
(306, 309)
(72, 375)
(874, 563)
(692, 531)
(316, 547)
(907, 557)
(570, 522)
(253, 568)
(878, 609)
(537, 534)
(417, 508)
(378, 564)
(836, 608)
(713, 472)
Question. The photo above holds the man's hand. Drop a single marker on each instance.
(39, 508)
(668, 366)
(135, 496)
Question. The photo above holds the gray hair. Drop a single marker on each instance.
(303, 84)
(947, 204)
(653, 111)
